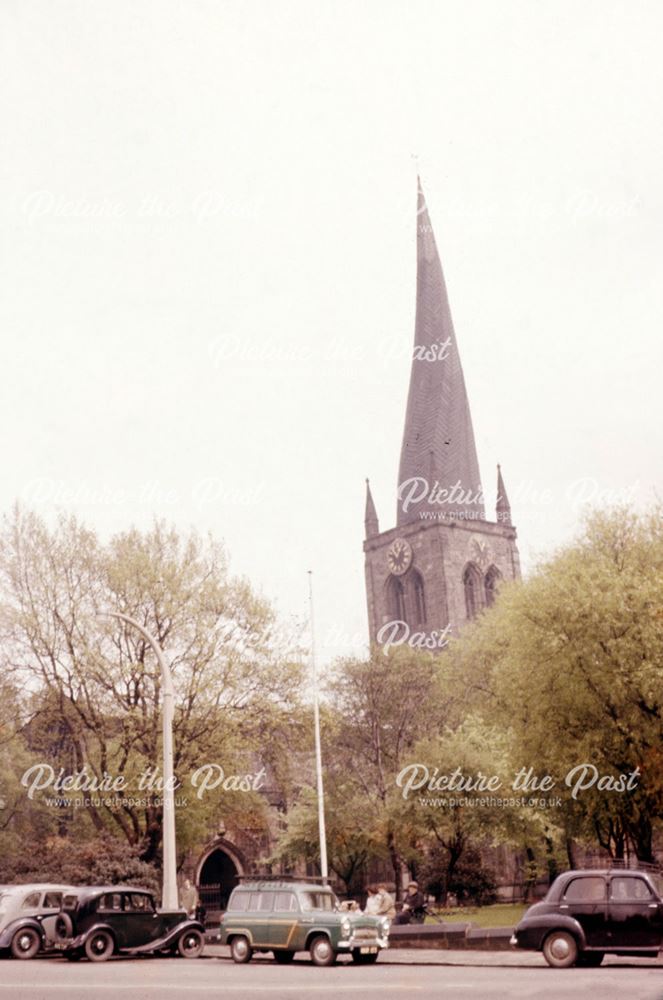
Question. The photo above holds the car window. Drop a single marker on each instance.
(658, 883)
(52, 900)
(285, 901)
(31, 901)
(69, 902)
(254, 900)
(629, 888)
(137, 902)
(111, 902)
(318, 901)
(585, 890)
(239, 902)
(266, 901)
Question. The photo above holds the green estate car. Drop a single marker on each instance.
(285, 916)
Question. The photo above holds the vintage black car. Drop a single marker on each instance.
(102, 921)
(588, 914)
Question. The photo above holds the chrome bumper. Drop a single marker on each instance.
(351, 943)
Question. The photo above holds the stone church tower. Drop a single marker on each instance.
(442, 562)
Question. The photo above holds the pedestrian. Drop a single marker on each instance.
(386, 904)
(372, 900)
(189, 898)
(414, 906)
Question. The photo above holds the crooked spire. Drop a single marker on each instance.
(439, 471)
(503, 507)
(370, 517)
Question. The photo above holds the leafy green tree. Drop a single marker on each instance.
(92, 688)
(570, 664)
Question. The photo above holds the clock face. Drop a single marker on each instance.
(399, 556)
(480, 550)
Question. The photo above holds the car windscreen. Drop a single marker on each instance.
(318, 901)
(239, 901)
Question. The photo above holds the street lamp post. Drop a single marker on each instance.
(324, 868)
(169, 899)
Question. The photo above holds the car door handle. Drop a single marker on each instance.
(653, 906)
(564, 906)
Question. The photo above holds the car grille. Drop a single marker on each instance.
(365, 933)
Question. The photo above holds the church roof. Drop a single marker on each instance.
(439, 471)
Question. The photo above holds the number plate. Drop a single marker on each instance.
(368, 951)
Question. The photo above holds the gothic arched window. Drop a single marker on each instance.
(397, 599)
(472, 585)
(493, 577)
(419, 602)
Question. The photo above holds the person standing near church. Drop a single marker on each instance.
(189, 898)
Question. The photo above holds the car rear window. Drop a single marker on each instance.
(31, 901)
(628, 888)
(589, 889)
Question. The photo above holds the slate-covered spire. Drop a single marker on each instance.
(439, 471)
(503, 507)
(370, 517)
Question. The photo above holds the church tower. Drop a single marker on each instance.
(443, 561)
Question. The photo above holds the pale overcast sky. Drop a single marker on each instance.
(208, 301)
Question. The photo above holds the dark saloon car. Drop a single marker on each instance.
(589, 914)
(100, 922)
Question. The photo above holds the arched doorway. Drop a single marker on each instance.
(218, 872)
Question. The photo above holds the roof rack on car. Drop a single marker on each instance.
(623, 864)
(317, 879)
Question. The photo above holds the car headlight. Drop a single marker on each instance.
(346, 927)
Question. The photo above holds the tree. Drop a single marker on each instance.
(382, 708)
(350, 835)
(99, 861)
(570, 663)
(92, 687)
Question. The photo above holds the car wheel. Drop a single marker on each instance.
(26, 943)
(321, 951)
(592, 959)
(99, 946)
(241, 950)
(560, 950)
(190, 944)
(63, 927)
(364, 959)
(284, 957)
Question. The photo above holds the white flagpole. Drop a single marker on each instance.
(324, 871)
